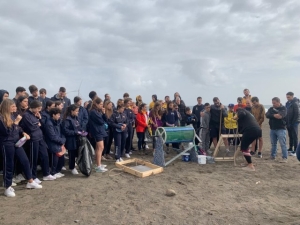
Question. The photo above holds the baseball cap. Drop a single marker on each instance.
(231, 105)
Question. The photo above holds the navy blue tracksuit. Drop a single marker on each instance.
(70, 127)
(55, 139)
(8, 138)
(38, 148)
(119, 137)
(131, 119)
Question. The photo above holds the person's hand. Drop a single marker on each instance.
(277, 116)
(38, 115)
(26, 135)
(103, 110)
(221, 106)
(39, 124)
(18, 119)
(235, 117)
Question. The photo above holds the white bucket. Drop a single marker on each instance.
(202, 159)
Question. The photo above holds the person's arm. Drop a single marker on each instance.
(269, 113)
(96, 118)
(282, 113)
(50, 133)
(194, 110)
(32, 126)
(224, 112)
(140, 120)
(262, 115)
(85, 118)
(112, 122)
(67, 128)
(295, 114)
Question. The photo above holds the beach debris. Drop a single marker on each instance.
(76, 221)
(170, 193)
(258, 182)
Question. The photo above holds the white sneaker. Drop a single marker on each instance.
(38, 168)
(15, 180)
(13, 184)
(104, 166)
(118, 160)
(57, 176)
(146, 146)
(111, 152)
(9, 192)
(121, 160)
(130, 153)
(61, 174)
(127, 155)
(74, 171)
(64, 168)
(37, 180)
(49, 178)
(33, 185)
(20, 177)
(100, 169)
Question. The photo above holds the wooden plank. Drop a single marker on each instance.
(155, 169)
(231, 135)
(224, 158)
(217, 147)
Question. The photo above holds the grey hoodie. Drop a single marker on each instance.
(204, 120)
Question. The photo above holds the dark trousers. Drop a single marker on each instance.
(120, 140)
(128, 144)
(293, 136)
(234, 141)
(72, 155)
(108, 141)
(38, 149)
(141, 140)
(57, 163)
(9, 152)
(1, 161)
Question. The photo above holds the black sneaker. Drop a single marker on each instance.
(290, 149)
(252, 153)
(259, 155)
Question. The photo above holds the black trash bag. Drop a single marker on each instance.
(85, 153)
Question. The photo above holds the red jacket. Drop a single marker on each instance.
(140, 123)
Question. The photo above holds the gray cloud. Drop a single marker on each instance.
(207, 48)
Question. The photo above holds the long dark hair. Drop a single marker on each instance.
(95, 102)
(69, 110)
(141, 107)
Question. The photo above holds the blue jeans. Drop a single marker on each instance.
(278, 135)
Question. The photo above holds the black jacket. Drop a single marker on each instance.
(191, 119)
(30, 125)
(292, 115)
(66, 102)
(197, 109)
(215, 116)
(246, 120)
(53, 135)
(276, 124)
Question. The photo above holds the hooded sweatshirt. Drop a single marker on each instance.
(292, 112)
(151, 105)
(66, 102)
(2, 92)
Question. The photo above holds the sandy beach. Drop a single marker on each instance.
(205, 194)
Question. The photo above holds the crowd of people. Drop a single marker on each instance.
(52, 126)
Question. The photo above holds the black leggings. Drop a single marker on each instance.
(141, 140)
(249, 136)
(108, 142)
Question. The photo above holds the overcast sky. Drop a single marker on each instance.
(202, 48)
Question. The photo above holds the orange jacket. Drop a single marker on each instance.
(141, 122)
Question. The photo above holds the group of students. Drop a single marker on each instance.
(53, 126)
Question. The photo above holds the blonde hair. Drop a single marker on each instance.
(6, 113)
